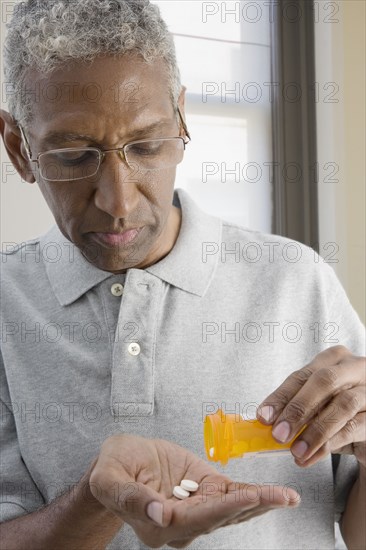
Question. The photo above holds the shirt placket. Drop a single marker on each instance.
(133, 358)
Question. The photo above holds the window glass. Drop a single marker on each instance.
(223, 51)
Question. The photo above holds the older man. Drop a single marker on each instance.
(110, 319)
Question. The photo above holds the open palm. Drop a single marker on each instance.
(134, 475)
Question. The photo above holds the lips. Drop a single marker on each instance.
(117, 238)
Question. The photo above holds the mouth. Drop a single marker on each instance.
(117, 238)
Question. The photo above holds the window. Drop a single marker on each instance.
(224, 55)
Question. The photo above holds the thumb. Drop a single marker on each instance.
(139, 502)
(132, 500)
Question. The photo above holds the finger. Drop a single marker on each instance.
(276, 496)
(214, 506)
(181, 543)
(218, 509)
(240, 518)
(270, 498)
(270, 409)
(325, 416)
(127, 498)
(200, 513)
(210, 510)
(245, 516)
(345, 439)
(320, 388)
(197, 515)
(336, 419)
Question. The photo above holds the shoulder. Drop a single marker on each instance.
(290, 270)
(18, 260)
(13, 253)
(12, 248)
(277, 262)
(258, 246)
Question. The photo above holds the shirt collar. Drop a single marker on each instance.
(185, 267)
(69, 273)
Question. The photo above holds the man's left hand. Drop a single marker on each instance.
(328, 396)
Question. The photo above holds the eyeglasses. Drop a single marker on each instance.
(76, 163)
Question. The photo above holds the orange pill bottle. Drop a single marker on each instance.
(229, 436)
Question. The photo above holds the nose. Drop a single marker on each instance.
(116, 189)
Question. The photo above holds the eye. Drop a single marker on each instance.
(145, 148)
(74, 158)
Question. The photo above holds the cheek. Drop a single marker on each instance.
(169, 192)
(157, 193)
(161, 188)
(65, 202)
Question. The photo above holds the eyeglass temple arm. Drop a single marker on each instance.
(183, 124)
(27, 147)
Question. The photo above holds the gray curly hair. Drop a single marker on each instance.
(44, 34)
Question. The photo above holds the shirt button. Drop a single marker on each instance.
(134, 348)
(117, 289)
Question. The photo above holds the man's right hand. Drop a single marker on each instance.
(134, 478)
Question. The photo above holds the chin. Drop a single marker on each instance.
(115, 266)
(120, 262)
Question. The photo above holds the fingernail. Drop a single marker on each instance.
(281, 431)
(155, 512)
(267, 413)
(299, 448)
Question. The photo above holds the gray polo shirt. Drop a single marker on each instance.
(220, 321)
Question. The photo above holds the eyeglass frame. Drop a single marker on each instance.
(120, 150)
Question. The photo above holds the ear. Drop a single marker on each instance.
(15, 147)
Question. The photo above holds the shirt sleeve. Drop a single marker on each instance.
(345, 471)
(351, 333)
(18, 492)
(350, 329)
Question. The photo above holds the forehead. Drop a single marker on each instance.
(109, 91)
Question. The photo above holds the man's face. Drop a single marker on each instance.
(113, 101)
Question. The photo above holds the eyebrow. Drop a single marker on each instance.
(56, 138)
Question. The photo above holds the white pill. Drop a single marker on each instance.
(180, 493)
(189, 485)
(211, 452)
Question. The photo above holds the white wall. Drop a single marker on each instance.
(340, 61)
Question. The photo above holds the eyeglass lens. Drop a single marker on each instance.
(81, 163)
